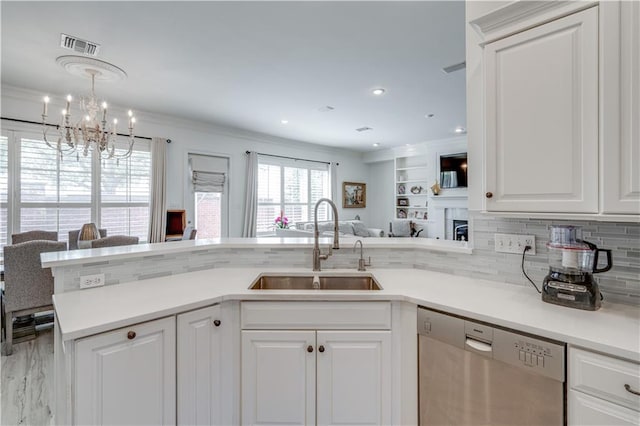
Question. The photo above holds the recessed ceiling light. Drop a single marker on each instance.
(460, 129)
(376, 144)
(429, 115)
(326, 108)
(284, 121)
(379, 91)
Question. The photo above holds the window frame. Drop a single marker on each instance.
(298, 164)
(14, 133)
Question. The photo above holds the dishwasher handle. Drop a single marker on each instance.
(478, 346)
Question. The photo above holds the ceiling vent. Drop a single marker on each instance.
(363, 129)
(79, 45)
(455, 67)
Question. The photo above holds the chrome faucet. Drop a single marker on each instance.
(361, 261)
(317, 255)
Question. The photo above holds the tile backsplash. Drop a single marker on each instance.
(620, 284)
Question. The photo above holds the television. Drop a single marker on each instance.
(453, 170)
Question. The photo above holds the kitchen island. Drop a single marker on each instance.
(82, 315)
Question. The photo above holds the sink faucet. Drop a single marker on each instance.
(317, 255)
(361, 261)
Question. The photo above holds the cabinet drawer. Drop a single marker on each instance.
(316, 315)
(605, 377)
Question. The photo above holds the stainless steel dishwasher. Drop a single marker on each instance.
(477, 374)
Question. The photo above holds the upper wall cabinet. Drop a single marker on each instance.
(554, 116)
(541, 88)
(621, 114)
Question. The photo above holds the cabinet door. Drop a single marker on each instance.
(542, 118)
(621, 153)
(127, 376)
(199, 366)
(587, 410)
(278, 377)
(354, 378)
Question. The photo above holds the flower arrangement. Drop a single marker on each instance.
(282, 222)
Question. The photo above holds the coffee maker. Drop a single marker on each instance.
(572, 263)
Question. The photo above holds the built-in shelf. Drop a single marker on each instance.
(411, 171)
(411, 168)
(412, 207)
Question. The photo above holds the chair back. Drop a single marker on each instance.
(400, 228)
(34, 235)
(27, 284)
(73, 237)
(114, 240)
(189, 233)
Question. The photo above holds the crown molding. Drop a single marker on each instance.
(521, 15)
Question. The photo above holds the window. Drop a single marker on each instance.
(208, 176)
(4, 190)
(290, 187)
(60, 194)
(125, 192)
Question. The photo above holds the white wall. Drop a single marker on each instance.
(381, 199)
(189, 136)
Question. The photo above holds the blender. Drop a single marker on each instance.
(572, 263)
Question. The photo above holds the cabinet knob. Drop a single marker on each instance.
(309, 348)
(217, 323)
(131, 335)
(489, 194)
(321, 348)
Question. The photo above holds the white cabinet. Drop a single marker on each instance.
(603, 390)
(306, 377)
(199, 367)
(621, 110)
(317, 375)
(127, 376)
(587, 410)
(353, 377)
(278, 377)
(541, 122)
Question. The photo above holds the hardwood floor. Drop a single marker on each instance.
(26, 391)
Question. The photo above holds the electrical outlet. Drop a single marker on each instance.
(88, 281)
(514, 243)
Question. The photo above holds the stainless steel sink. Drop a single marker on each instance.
(330, 282)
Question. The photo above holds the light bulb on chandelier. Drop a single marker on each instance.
(89, 133)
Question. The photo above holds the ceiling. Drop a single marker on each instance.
(252, 64)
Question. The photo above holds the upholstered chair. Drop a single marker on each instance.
(189, 233)
(73, 237)
(114, 240)
(34, 235)
(27, 286)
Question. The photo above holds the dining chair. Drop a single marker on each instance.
(114, 240)
(27, 287)
(34, 235)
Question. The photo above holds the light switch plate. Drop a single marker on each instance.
(514, 243)
(88, 281)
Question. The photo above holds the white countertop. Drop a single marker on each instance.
(78, 257)
(614, 329)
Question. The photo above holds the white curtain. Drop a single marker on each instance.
(251, 198)
(158, 201)
(335, 194)
(208, 181)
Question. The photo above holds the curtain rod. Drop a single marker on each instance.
(292, 158)
(57, 126)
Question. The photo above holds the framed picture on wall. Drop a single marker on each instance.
(354, 195)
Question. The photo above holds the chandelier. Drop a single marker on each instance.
(90, 130)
